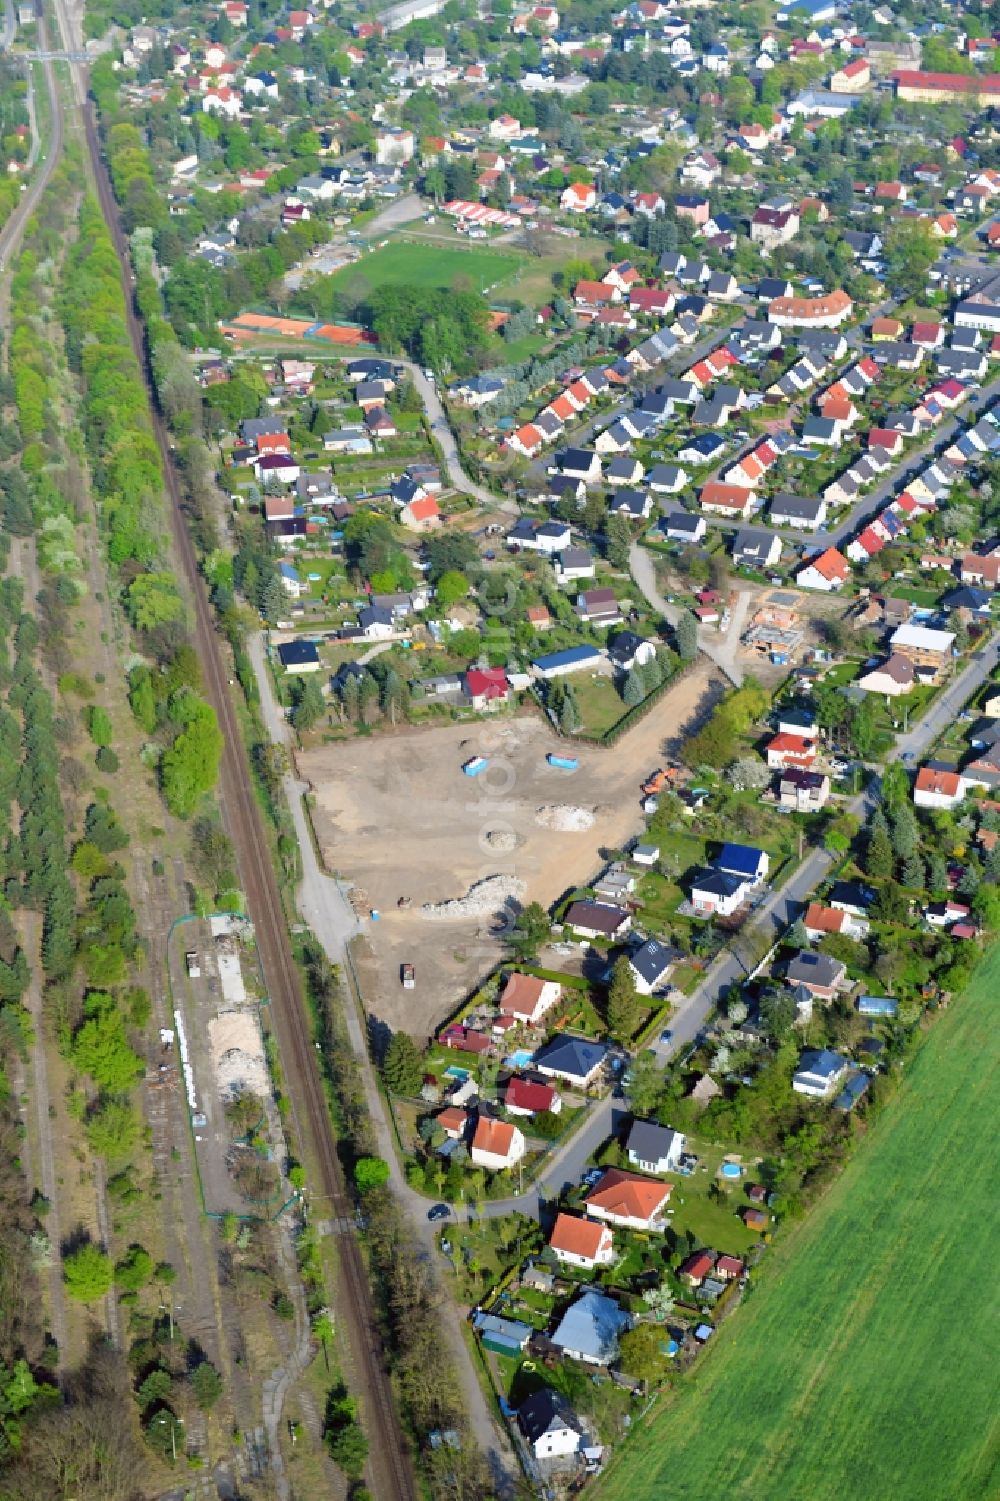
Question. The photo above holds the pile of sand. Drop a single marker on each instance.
(565, 818)
(483, 899)
(238, 1055)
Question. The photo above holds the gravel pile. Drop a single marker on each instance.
(482, 900)
(238, 1055)
(501, 839)
(565, 818)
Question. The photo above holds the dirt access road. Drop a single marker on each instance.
(396, 815)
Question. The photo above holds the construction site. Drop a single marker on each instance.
(441, 862)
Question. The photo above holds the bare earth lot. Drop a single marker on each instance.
(395, 815)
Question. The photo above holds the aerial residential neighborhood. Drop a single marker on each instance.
(500, 550)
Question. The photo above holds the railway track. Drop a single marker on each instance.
(391, 1472)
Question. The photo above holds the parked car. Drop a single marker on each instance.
(439, 1212)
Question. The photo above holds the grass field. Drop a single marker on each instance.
(425, 265)
(866, 1362)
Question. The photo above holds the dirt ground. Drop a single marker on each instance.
(397, 816)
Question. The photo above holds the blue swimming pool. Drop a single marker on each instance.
(520, 1059)
(730, 1170)
(454, 1072)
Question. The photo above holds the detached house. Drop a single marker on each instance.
(651, 965)
(714, 893)
(820, 921)
(771, 227)
(527, 998)
(582, 1242)
(550, 1426)
(936, 787)
(787, 751)
(803, 791)
(496, 1144)
(829, 571)
(820, 974)
(653, 1148)
(819, 1072)
(578, 198)
(525, 1097)
(629, 1200)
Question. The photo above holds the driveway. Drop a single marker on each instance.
(718, 649)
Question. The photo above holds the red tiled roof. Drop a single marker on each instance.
(493, 1136)
(577, 1237)
(628, 1195)
(489, 682)
(527, 1095)
(932, 779)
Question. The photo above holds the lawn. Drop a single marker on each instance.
(415, 263)
(599, 702)
(863, 1364)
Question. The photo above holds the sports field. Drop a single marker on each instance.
(866, 1362)
(422, 264)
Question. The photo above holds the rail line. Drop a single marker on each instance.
(389, 1458)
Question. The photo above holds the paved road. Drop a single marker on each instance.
(718, 649)
(438, 423)
(783, 906)
(943, 711)
(10, 235)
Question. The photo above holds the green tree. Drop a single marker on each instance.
(153, 600)
(624, 1006)
(618, 538)
(905, 831)
(142, 698)
(101, 1050)
(531, 930)
(451, 587)
(370, 1173)
(310, 706)
(569, 712)
(910, 251)
(134, 1269)
(99, 726)
(686, 632)
(344, 1436)
(190, 767)
(113, 1129)
(633, 689)
(206, 1383)
(641, 1353)
(403, 1066)
(777, 1013)
(879, 859)
(88, 1273)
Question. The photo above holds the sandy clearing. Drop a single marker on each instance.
(396, 815)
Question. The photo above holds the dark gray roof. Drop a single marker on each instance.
(797, 507)
(546, 1411)
(815, 969)
(653, 960)
(650, 1142)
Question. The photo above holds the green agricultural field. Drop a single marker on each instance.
(867, 1361)
(418, 263)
